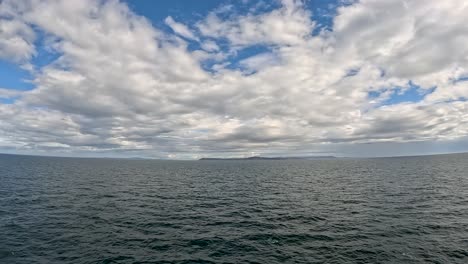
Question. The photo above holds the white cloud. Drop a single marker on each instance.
(179, 28)
(289, 25)
(260, 61)
(16, 39)
(9, 93)
(423, 40)
(120, 85)
(209, 46)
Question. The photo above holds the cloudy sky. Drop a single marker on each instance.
(189, 79)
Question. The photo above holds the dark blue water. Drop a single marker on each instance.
(389, 210)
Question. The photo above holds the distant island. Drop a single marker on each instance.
(274, 158)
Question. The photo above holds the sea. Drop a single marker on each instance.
(378, 210)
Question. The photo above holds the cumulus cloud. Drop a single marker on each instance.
(120, 85)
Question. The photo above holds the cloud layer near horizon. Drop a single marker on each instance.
(117, 84)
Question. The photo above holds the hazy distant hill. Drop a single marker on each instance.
(274, 158)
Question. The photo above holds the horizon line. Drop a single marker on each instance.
(231, 158)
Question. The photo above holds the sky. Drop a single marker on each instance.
(190, 79)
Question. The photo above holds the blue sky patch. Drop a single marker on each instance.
(10, 100)
(44, 53)
(461, 79)
(14, 77)
(411, 94)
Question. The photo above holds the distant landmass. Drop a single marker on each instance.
(274, 158)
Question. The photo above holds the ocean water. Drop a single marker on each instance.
(385, 210)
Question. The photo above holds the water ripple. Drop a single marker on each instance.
(395, 210)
